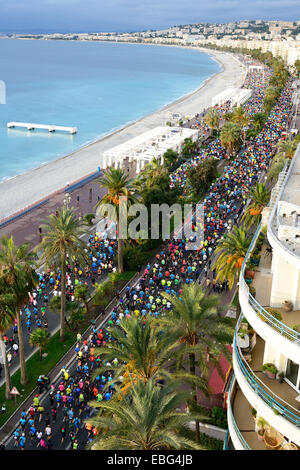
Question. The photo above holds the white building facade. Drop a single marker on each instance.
(266, 348)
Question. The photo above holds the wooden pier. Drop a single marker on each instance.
(30, 126)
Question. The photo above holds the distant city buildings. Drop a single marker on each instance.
(282, 38)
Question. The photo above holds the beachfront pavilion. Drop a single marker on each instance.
(236, 96)
(149, 145)
(255, 68)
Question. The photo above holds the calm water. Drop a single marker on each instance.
(96, 87)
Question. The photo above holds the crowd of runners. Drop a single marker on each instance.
(258, 84)
(59, 421)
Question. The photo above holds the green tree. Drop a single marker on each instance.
(258, 121)
(260, 196)
(286, 150)
(147, 419)
(118, 185)
(212, 119)
(231, 253)
(201, 176)
(280, 74)
(170, 158)
(40, 338)
(228, 116)
(231, 137)
(74, 313)
(268, 104)
(152, 175)
(7, 316)
(82, 293)
(240, 116)
(272, 93)
(143, 353)
(189, 148)
(297, 66)
(61, 244)
(196, 326)
(17, 267)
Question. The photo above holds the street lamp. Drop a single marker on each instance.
(67, 200)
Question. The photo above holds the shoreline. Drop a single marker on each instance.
(50, 177)
(115, 130)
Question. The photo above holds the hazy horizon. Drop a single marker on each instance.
(69, 16)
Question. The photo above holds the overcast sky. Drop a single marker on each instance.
(131, 15)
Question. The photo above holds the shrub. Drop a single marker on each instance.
(275, 313)
(219, 417)
(134, 257)
(101, 290)
(210, 443)
(252, 291)
(269, 367)
(296, 328)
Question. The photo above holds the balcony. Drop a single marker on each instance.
(276, 402)
(283, 224)
(262, 283)
(279, 333)
(241, 423)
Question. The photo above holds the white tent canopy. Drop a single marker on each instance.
(149, 145)
(255, 68)
(236, 96)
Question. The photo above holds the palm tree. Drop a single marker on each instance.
(212, 119)
(228, 116)
(74, 312)
(268, 104)
(272, 93)
(170, 157)
(61, 244)
(152, 172)
(240, 116)
(189, 148)
(258, 121)
(17, 267)
(143, 353)
(196, 327)
(232, 251)
(118, 185)
(260, 196)
(40, 338)
(147, 419)
(231, 137)
(286, 150)
(7, 316)
(82, 293)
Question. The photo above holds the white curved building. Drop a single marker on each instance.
(267, 338)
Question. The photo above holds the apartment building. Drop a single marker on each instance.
(264, 396)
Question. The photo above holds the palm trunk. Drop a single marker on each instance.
(238, 307)
(63, 297)
(120, 256)
(24, 378)
(6, 369)
(193, 372)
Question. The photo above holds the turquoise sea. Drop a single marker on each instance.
(96, 87)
